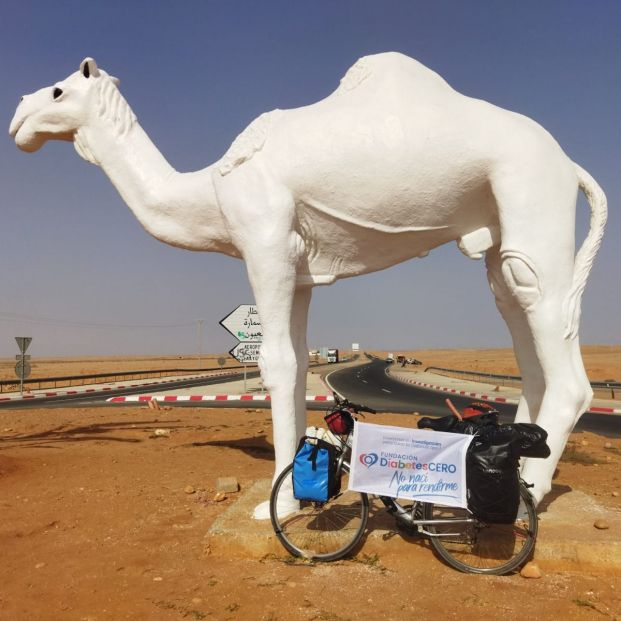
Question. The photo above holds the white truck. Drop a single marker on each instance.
(333, 355)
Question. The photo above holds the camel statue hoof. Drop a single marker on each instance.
(262, 511)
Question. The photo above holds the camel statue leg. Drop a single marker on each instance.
(536, 264)
(533, 384)
(260, 215)
(285, 450)
(284, 362)
(299, 324)
(567, 391)
(273, 283)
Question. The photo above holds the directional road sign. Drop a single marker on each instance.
(244, 323)
(246, 352)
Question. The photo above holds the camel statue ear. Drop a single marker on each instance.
(115, 81)
(89, 68)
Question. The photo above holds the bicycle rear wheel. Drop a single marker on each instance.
(319, 531)
(481, 548)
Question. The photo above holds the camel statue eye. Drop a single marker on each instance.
(57, 92)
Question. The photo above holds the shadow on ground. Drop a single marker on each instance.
(257, 447)
(99, 432)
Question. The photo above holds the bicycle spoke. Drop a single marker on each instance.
(485, 548)
(325, 531)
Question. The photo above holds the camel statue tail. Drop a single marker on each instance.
(586, 255)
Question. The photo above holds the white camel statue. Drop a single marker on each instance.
(389, 166)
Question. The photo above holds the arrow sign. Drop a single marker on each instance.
(244, 324)
(23, 342)
(246, 352)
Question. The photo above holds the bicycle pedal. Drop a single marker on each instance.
(410, 530)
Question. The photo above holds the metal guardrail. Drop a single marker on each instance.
(101, 378)
(505, 380)
(104, 378)
(610, 388)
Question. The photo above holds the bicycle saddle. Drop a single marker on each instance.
(445, 423)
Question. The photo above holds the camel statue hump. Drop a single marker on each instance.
(247, 143)
(404, 69)
(356, 74)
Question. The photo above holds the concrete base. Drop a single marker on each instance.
(235, 533)
(567, 538)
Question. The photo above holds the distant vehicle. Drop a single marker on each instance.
(413, 361)
(333, 355)
(390, 359)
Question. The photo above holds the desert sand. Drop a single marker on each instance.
(104, 520)
(602, 362)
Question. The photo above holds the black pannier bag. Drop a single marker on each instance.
(492, 478)
(314, 470)
(492, 459)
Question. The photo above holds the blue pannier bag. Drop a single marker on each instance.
(314, 470)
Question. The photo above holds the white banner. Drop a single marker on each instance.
(410, 463)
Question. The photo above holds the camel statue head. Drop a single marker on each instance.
(59, 111)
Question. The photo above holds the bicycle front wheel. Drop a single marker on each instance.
(314, 530)
(481, 548)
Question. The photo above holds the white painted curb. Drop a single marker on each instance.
(173, 398)
(79, 391)
(487, 397)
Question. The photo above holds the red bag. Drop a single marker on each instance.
(340, 422)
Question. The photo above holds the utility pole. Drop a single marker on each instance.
(200, 341)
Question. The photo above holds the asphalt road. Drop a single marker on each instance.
(100, 398)
(371, 386)
(367, 384)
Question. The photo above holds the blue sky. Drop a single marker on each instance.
(82, 277)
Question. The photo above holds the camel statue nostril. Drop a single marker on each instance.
(57, 93)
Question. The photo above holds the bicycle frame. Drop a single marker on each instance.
(406, 517)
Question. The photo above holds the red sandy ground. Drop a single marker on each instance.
(97, 525)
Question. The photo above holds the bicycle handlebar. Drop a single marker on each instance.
(344, 402)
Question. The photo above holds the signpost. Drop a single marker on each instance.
(244, 324)
(246, 352)
(22, 368)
